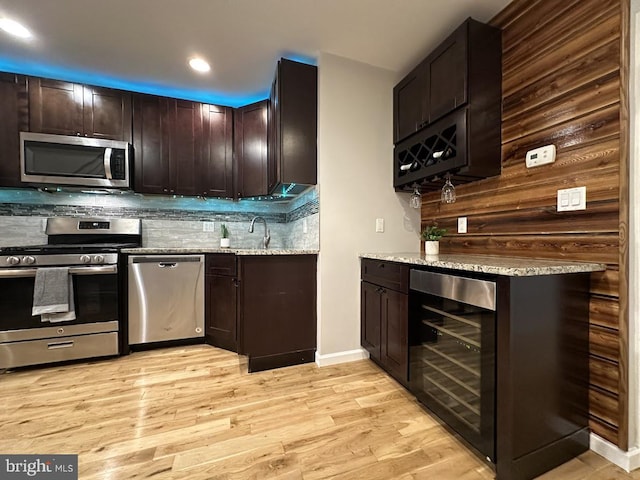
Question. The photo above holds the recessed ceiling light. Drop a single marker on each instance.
(14, 28)
(199, 65)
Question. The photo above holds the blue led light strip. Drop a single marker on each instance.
(8, 64)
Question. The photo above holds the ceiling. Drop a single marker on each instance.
(143, 45)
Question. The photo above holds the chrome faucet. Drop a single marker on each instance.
(266, 238)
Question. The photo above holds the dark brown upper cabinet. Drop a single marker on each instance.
(151, 141)
(250, 147)
(411, 103)
(13, 111)
(65, 108)
(448, 73)
(182, 147)
(216, 161)
(447, 111)
(293, 125)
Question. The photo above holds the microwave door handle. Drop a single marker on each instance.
(107, 163)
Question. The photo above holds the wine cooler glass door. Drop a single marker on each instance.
(452, 353)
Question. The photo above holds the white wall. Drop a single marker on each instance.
(355, 153)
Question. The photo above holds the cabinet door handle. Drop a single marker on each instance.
(236, 282)
(381, 265)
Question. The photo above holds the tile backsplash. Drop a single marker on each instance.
(166, 221)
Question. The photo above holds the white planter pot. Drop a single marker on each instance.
(225, 243)
(431, 247)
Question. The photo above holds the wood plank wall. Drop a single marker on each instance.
(564, 82)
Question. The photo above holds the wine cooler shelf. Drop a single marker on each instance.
(465, 371)
(460, 402)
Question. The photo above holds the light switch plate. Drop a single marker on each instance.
(541, 156)
(379, 225)
(571, 199)
(462, 224)
(208, 226)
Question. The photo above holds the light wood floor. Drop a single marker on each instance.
(195, 413)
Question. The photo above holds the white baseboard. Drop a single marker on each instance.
(626, 460)
(341, 357)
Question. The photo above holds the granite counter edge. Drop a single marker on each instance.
(551, 267)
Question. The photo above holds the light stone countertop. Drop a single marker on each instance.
(196, 250)
(497, 265)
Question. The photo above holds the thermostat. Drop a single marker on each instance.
(541, 156)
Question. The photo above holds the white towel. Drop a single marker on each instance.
(53, 295)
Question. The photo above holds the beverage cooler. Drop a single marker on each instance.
(452, 353)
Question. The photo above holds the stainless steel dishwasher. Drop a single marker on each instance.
(166, 298)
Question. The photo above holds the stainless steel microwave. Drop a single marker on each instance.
(78, 161)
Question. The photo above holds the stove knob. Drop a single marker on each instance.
(85, 258)
(29, 260)
(13, 260)
(98, 259)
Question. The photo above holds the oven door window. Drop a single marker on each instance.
(95, 300)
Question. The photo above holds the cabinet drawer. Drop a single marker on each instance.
(386, 274)
(221, 264)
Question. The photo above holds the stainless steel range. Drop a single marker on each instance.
(79, 264)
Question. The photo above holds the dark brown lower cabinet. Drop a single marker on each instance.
(384, 328)
(542, 373)
(277, 310)
(371, 318)
(221, 297)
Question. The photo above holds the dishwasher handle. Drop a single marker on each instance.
(166, 261)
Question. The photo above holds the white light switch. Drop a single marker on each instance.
(572, 199)
(462, 224)
(208, 226)
(379, 225)
(541, 156)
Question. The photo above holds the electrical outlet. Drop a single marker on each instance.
(379, 225)
(462, 224)
(208, 226)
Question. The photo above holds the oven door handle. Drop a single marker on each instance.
(102, 270)
(31, 272)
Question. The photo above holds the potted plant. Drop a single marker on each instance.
(224, 241)
(431, 236)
